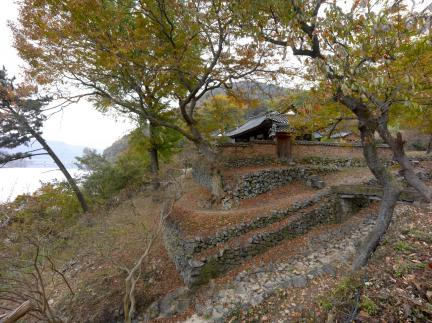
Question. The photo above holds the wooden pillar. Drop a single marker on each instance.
(283, 146)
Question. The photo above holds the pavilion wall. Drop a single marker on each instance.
(300, 150)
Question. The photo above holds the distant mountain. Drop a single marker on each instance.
(116, 149)
(252, 91)
(64, 151)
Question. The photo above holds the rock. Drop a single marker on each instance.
(287, 283)
(269, 285)
(329, 269)
(175, 302)
(227, 204)
(195, 263)
(299, 281)
(255, 287)
(256, 299)
(318, 184)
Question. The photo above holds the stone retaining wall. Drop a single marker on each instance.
(244, 161)
(255, 183)
(197, 271)
(201, 173)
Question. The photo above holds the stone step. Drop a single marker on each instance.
(326, 250)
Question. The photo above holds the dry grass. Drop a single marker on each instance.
(97, 255)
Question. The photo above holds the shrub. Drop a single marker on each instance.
(403, 246)
(104, 179)
(46, 212)
(369, 305)
(343, 298)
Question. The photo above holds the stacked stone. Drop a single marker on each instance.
(250, 161)
(254, 184)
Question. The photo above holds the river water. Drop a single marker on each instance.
(16, 181)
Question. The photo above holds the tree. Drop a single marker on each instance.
(416, 113)
(313, 111)
(352, 54)
(21, 121)
(153, 58)
(220, 113)
(128, 167)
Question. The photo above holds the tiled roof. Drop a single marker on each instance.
(251, 124)
(279, 118)
(341, 134)
(275, 117)
(279, 127)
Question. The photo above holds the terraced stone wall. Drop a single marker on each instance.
(252, 184)
(262, 153)
(255, 183)
(322, 208)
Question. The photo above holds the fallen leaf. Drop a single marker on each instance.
(419, 288)
(364, 314)
(427, 308)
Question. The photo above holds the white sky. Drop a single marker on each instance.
(79, 124)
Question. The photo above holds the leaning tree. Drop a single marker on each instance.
(21, 120)
(355, 53)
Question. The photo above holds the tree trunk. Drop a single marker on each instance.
(154, 160)
(397, 148)
(17, 313)
(385, 213)
(213, 159)
(54, 157)
(201, 144)
(429, 147)
(63, 169)
(392, 189)
(154, 165)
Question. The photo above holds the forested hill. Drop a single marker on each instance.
(117, 147)
(252, 91)
(65, 152)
